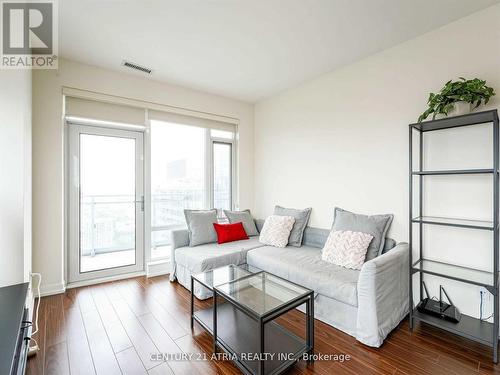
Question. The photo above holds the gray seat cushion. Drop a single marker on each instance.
(208, 256)
(303, 265)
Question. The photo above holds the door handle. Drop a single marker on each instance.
(141, 202)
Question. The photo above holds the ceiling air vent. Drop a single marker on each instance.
(132, 65)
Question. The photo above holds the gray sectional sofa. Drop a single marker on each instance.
(367, 304)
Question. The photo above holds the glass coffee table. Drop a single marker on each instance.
(244, 326)
(209, 279)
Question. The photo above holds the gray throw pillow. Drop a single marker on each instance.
(376, 225)
(200, 225)
(301, 219)
(244, 217)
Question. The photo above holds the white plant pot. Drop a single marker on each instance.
(460, 108)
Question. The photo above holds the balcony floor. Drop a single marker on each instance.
(107, 260)
(118, 258)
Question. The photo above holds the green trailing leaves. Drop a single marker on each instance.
(472, 91)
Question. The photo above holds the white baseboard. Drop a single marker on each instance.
(104, 279)
(50, 289)
(153, 269)
(158, 268)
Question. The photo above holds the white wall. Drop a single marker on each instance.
(48, 152)
(15, 183)
(342, 139)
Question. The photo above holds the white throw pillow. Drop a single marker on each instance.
(276, 230)
(346, 248)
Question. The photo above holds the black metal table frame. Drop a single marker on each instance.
(193, 316)
(211, 288)
(308, 299)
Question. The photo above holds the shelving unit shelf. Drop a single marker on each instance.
(454, 272)
(452, 222)
(454, 171)
(468, 327)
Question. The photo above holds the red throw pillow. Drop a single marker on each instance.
(230, 232)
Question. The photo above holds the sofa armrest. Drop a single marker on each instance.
(178, 238)
(382, 295)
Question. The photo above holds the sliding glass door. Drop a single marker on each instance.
(106, 202)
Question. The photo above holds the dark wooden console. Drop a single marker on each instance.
(14, 329)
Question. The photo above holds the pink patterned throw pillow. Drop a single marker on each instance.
(346, 248)
(276, 230)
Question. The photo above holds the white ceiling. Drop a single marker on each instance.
(244, 49)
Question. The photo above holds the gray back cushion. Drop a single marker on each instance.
(376, 225)
(259, 223)
(244, 217)
(389, 244)
(301, 220)
(316, 237)
(200, 225)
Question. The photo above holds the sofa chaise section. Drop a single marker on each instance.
(186, 261)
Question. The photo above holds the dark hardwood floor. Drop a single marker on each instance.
(114, 328)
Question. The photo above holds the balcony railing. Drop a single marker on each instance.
(108, 221)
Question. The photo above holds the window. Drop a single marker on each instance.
(191, 168)
(177, 179)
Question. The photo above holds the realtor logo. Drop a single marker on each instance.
(29, 34)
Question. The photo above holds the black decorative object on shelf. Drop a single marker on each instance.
(439, 308)
(469, 327)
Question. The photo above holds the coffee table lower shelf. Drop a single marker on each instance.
(238, 334)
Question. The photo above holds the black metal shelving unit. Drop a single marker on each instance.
(469, 327)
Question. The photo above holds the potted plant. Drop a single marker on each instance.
(456, 97)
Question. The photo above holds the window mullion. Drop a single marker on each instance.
(209, 200)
